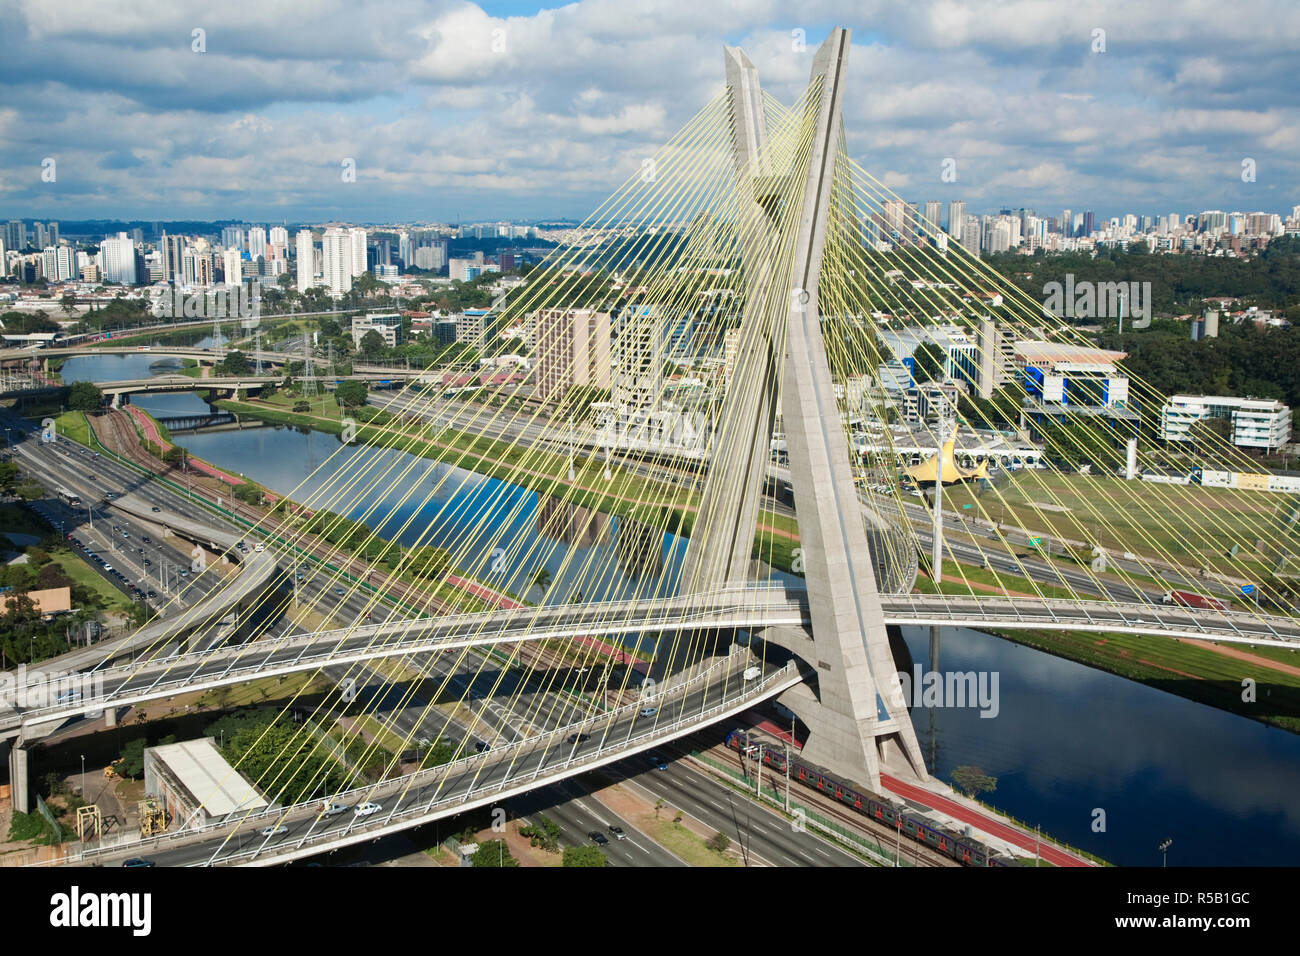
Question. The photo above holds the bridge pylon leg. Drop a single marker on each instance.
(858, 716)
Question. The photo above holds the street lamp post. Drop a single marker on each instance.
(83, 776)
(1163, 847)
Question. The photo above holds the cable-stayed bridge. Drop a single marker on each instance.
(725, 317)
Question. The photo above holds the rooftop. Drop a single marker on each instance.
(198, 766)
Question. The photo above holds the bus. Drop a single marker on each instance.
(70, 498)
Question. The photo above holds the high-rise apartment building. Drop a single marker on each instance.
(572, 348)
(932, 216)
(638, 360)
(956, 219)
(173, 251)
(117, 259)
(357, 238)
(256, 242)
(306, 260)
(336, 261)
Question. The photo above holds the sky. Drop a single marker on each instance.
(455, 111)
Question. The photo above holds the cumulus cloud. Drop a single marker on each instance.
(455, 108)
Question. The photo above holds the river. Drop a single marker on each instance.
(1102, 762)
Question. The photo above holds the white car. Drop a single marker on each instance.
(273, 831)
(752, 673)
(334, 809)
(365, 809)
(259, 547)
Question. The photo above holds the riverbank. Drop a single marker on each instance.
(1183, 668)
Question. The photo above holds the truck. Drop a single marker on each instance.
(1192, 599)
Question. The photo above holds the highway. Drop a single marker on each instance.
(480, 780)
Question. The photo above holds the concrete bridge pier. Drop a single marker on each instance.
(18, 790)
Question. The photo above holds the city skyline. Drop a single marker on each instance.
(462, 109)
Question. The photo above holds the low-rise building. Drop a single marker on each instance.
(196, 784)
(1262, 423)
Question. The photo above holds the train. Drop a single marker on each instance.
(966, 850)
(1192, 599)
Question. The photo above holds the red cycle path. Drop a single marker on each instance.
(958, 811)
(151, 434)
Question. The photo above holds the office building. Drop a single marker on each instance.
(1263, 424)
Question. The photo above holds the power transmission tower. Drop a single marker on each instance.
(308, 370)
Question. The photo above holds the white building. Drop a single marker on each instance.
(1256, 422)
(256, 242)
(117, 259)
(231, 266)
(306, 260)
(638, 360)
(66, 260)
(337, 261)
(387, 324)
(358, 240)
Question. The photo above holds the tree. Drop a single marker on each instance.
(928, 362)
(719, 842)
(131, 763)
(429, 561)
(583, 856)
(85, 397)
(493, 853)
(371, 344)
(236, 363)
(973, 780)
(352, 393)
(541, 580)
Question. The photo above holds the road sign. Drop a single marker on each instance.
(1248, 589)
(1035, 542)
(965, 507)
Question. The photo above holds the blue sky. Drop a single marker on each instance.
(457, 110)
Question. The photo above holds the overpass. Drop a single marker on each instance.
(697, 698)
(776, 614)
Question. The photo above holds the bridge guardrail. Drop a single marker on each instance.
(432, 774)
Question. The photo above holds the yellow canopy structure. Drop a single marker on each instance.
(927, 471)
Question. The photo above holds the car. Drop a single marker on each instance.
(333, 809)
(155, 509)
(578, 738)
(366, 809)
(109, 568)
(598, 838)
(649, 711)
(338, 591)
(148, 563)
(482, 746)
(153, 594)
(657, 762)
(259, 547)
(273, 831)
(138, 861)
(146, 539)
(617, 830)
(92, 478)
(184, 572)
(752, 673)
(126, 534)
